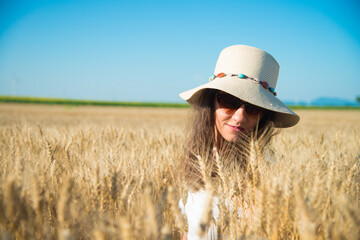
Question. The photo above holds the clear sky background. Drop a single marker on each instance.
(153, 50)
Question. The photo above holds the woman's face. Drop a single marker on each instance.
(233, 117)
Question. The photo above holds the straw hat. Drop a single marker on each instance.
(250, 74)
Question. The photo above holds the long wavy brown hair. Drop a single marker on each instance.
(201, 142)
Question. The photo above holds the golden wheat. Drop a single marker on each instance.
(113, 173)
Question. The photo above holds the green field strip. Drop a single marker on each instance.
(56, 101)
(73, 102)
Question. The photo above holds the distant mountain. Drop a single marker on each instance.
(328, 101)
(323, 101)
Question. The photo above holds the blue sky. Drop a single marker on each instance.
(153, 50)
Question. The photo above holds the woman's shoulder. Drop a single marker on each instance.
(194, 207)
(193, 200)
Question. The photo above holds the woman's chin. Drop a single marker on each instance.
(235, 137)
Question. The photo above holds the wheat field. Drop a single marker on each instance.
(113, 173)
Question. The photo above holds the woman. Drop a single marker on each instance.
(237, 105)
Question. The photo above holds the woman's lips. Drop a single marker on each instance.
(236, 129)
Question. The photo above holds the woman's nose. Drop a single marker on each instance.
(239, 114)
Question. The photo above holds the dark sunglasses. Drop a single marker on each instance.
(230, 104)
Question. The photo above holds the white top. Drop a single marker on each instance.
(194, 209)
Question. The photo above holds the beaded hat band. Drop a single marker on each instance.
(243, 76)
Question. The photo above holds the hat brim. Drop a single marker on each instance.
(250, 92)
